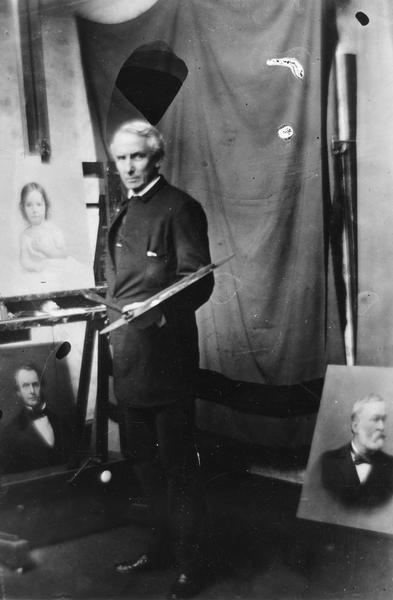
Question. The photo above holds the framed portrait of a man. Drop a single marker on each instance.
(349, 477)
(37, 408)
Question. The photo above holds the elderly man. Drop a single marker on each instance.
(360, 473)
(158, 236)
(36, 437)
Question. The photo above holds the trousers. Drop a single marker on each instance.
(160, 443)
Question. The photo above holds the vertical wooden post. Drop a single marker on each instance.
(33, 86)
(102, 400)
(83, 390)
(346, 180)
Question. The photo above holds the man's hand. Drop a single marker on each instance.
(131, 312)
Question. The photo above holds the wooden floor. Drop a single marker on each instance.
(261, 551)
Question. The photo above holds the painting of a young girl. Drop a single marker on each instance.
(42, 244)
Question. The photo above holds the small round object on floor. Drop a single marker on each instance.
(105, 476)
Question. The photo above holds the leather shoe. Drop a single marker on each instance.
(185, 586)
(146, 562)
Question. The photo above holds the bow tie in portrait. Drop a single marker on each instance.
(37, 414)
(359, 459)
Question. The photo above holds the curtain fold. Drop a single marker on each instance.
(257, 72)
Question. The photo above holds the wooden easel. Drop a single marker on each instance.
(75, 307)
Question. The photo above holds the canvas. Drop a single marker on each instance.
(343, 386)
(25, 447)
(44, 243)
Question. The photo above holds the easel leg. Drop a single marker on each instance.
(101, 414)
(83, 391)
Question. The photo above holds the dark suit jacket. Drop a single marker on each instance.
(164, 238)
(22, 448)
(340, 478)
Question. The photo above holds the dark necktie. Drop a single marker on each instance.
(127, 199)
(37, 415)
(359, 459)
(126, 204)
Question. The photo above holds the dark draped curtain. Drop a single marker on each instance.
(229, 145)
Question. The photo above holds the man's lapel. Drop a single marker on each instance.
(113, 227)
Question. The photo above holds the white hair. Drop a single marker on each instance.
(144, 129)
(359, 405)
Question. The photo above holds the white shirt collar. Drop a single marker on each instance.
(143, 191)
(353, 449)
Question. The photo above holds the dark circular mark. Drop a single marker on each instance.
(63, 350)
(362, 18)
(1, 413)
